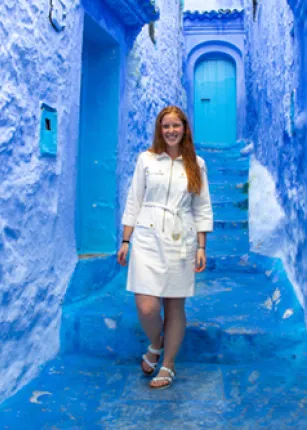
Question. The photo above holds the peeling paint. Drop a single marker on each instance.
(36, 395)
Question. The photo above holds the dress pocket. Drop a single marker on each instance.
(154, 178)
(145, 241)
(146, 218)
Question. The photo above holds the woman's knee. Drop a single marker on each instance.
(174, 305)
(148, 306)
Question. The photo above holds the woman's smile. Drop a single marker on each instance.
(172, 129)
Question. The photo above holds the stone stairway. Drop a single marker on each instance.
(241, 364)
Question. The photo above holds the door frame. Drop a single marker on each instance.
(227, 50)
(208, 57)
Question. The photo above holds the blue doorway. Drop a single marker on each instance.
(215, 106)
(97, 159)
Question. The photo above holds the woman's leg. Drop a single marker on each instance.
(149, 308)
(174, 328)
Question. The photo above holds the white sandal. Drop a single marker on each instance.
(169, 379)
(150, 364)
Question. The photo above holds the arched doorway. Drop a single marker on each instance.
(215, 105)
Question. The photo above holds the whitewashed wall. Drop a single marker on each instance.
(202, 5)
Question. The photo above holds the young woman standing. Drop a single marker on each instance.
(169, 211)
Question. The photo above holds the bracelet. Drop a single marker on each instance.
(126, 241)
(201, 247)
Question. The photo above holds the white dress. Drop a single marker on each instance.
(166, 219)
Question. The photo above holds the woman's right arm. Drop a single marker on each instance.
(123, 251)
(132, 208)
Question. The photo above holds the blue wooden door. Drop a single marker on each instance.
(215, 103)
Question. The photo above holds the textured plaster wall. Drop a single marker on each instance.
(37, 198)
(202, 5)
(37, 244)
(154, 80)
(272, 76)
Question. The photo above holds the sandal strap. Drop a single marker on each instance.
(162, 378)
(155, 351)
(167, 369)
(152, 365)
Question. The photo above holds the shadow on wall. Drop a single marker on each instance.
(97, 154)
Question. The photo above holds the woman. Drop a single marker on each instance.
(168, 209)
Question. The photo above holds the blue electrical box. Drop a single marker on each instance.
(48, 130)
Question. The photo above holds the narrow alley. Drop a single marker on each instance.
(83, 83)
(239, 366)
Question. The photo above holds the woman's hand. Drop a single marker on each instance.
(200, 260)
(122, 254)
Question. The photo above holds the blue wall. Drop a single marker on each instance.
(37, 235)
(276, 122)
(38, 193)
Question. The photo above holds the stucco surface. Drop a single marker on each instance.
(266, 216)
(37, 225)
(37, 193)
(212, 4)
(274, 124)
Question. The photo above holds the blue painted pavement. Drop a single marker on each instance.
(243, 361)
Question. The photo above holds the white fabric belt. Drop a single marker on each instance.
(178, 232)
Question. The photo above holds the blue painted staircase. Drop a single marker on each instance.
(243, 360)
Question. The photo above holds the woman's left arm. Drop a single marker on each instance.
(200, 263)
(203, 217)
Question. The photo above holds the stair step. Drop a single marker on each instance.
(82, 392)
(239, 344)
(227, 175)
(247, 263)
(214, 252)
(227, 242)
(229, 204)
(230, 224)
(230, 308)
(229, 188)
(230, 169)
(222, 187)
(225, 160)
(207, 340)
(224, 235)
(229, 213)
(226, 194)
(235, 148)
(226, 180)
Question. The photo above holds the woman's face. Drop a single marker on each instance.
(172, 129)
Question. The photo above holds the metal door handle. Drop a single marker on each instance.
(205, 100)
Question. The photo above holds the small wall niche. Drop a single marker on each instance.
(48, 130)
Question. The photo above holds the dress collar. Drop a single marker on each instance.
(165, 155)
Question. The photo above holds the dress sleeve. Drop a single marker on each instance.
(201, 204)
(135, 194)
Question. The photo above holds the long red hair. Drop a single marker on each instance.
(186, 145)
